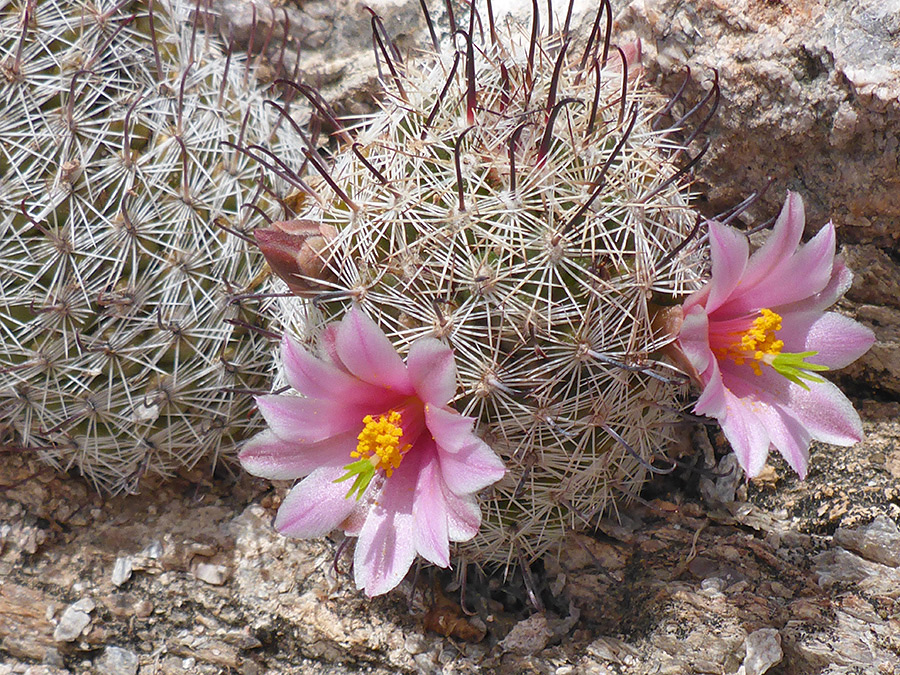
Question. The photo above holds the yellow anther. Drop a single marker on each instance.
(758, 341)
(379, 441)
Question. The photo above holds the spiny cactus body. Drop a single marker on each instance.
(513, 199)
(125, 341)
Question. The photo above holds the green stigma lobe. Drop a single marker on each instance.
(795, 368)
(364, 472)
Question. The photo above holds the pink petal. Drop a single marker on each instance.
(328, 342)
(693, 338)
(268, 456)
(712, 400)
(780, 244)
(315, 506)
(316, 378)
(354, 522)
(472, 468)
(450, 430)
(822, 412)
(367, 353)
(386, 546)
(746, 433)
(432, 370)
(761, 399)
(463, 516)
(792, 440)
(837, 340)
(752, 421)
(430, 510)
(801, 276)
(695, 299)
(729, 250)
(310, 420)
(840, 282)
(826, 413)
(632, 51)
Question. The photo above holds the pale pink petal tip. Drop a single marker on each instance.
(368, 354)
(315, 506)
(432, 370)
(471, 469)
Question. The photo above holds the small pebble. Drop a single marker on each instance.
(215, 575)
(529, 636)
(122, 570)
(416, 644)
(53, 658)
(154, 550)
(117, 661)
(712, 586)
(763, 652)
(74, 620)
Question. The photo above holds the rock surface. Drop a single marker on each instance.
(810, 97)
(879, 541)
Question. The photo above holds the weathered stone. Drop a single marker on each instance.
(880, 368)
(52, 657)
(122, 570)
(416, 644)
(25, 628)
(721, 489)
(209, 573)
(44, 669)
(840, 566)
(74, 620)
(809, 93)
(878, 541)
(117, 661)
(528, 636)
(763, 652)
(876, 276)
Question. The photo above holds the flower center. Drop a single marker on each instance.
(379, 442)
(758, 342)
(378, 449)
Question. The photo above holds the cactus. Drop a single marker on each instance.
(515, 200)
(128, 342)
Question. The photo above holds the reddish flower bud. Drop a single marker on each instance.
(296, 252)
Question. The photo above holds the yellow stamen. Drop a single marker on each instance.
(757, 341)
(379, 442)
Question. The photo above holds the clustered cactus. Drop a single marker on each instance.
(514, 199)
(129, 344)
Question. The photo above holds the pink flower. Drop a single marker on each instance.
(415, 463)
(757, 332)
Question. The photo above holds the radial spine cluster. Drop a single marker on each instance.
(514, 197)
(129, 345)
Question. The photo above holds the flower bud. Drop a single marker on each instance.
(296, 252)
